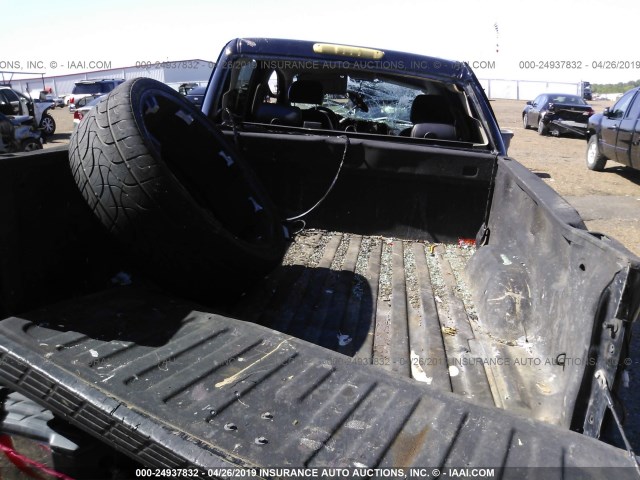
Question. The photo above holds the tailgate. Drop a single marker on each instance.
(175, 386)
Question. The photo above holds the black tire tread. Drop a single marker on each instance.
(140, 201)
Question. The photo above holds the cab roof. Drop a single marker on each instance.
(389, 60)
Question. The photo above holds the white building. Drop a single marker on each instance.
(526, 89)
(173, 73)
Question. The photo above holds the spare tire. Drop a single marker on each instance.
(166, 183)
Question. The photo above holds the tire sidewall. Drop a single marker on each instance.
(140, 90)
(595, 160)
(164, 228)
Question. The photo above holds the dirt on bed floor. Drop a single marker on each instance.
(379, 300)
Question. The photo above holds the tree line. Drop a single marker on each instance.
(619, 87)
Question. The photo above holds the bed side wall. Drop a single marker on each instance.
(51, 246)
(543, 279)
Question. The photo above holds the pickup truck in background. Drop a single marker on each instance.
(333, 264)
(615, 134)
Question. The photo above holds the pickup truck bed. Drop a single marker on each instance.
(158, 377)
(382, 339)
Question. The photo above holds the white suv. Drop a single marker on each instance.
(91, 88)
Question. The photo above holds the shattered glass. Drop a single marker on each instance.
(375, 100)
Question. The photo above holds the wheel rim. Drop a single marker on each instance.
(48, 125)
(30, 147)
(591, 153)
(525, 124)
(540, 126)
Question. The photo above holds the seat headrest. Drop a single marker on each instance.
(438, 131)
(277, 114)
(306, 91)
(430, 109)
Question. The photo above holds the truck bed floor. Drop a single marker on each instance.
(400, 305)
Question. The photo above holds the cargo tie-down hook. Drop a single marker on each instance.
(151, 105)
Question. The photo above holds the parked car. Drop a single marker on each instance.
(88, 103)
(196, 95)
(557, 113)
(615, 134)
(86, 88)
(18, 134)
(13, 102)
(185, 88)
(83, 102)
(46, 96)
(86, 100)
(59, 101)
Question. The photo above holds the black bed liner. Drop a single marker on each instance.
(175, 386)
(384, 301)
(405, 306)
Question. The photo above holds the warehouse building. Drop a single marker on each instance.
(173, 73)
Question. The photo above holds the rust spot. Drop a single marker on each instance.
(407, 446)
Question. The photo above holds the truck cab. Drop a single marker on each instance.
(615, 134)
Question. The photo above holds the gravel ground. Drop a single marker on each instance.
(64, 127)
(608, 201)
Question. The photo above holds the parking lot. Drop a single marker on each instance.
(608, 201)
(64, 127)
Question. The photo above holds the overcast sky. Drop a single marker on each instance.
(62, 35)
